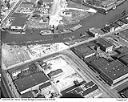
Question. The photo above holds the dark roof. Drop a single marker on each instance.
(124, 20)
(30, 81)
(19, 21)
(56, 72)
(12, 70)
(116, 69)
(89, 90)
(71, 88)
(22, 67)
(27, 95)
(110, 70)
(40, 96)
(44, 85)
(99, 62)
(103, 43)
(124, 93)
(90, 59)
(122, 50)
(72, 95)
(115, 25)
(82, 50)
(124, 59)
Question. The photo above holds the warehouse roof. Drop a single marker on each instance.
(114, 70)
(122, 50)
(44, 85)
(30, 81)
(124, 59)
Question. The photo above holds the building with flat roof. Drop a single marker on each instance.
(19, 23)
(83, 51)
(124, 59)
(28, 94)
(111, 72)
(104, 45)
(27, 83)
(122, 50)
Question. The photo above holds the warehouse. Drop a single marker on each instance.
(124, 59)
(111, 72)
(28, 82)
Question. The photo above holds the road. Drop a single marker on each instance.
(97, 20)
(74, 45)
(6, 93)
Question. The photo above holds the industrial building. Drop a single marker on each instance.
(83, 51)
(111, 72)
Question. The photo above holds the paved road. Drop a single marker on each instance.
(98, 20)
(6, 93)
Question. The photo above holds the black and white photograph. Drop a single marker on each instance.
(64, 49)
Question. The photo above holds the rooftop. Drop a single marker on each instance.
(30, 81)
(28, 94)
(124, 59)
(83, 50)
(19, 20)
(112, 72)
(103, 43)
(122, 50)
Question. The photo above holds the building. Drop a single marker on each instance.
(122, 50)
(55, 73)
(30, 82)
(83, 51)
(44, 85)
(95, 32)
(124, 59)
(111, 72)
(83, 89)
(19, 21)
(124, 93)
(28, 94)
(106, 29)
(104, 45)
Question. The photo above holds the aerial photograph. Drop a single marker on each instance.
(64, 49)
